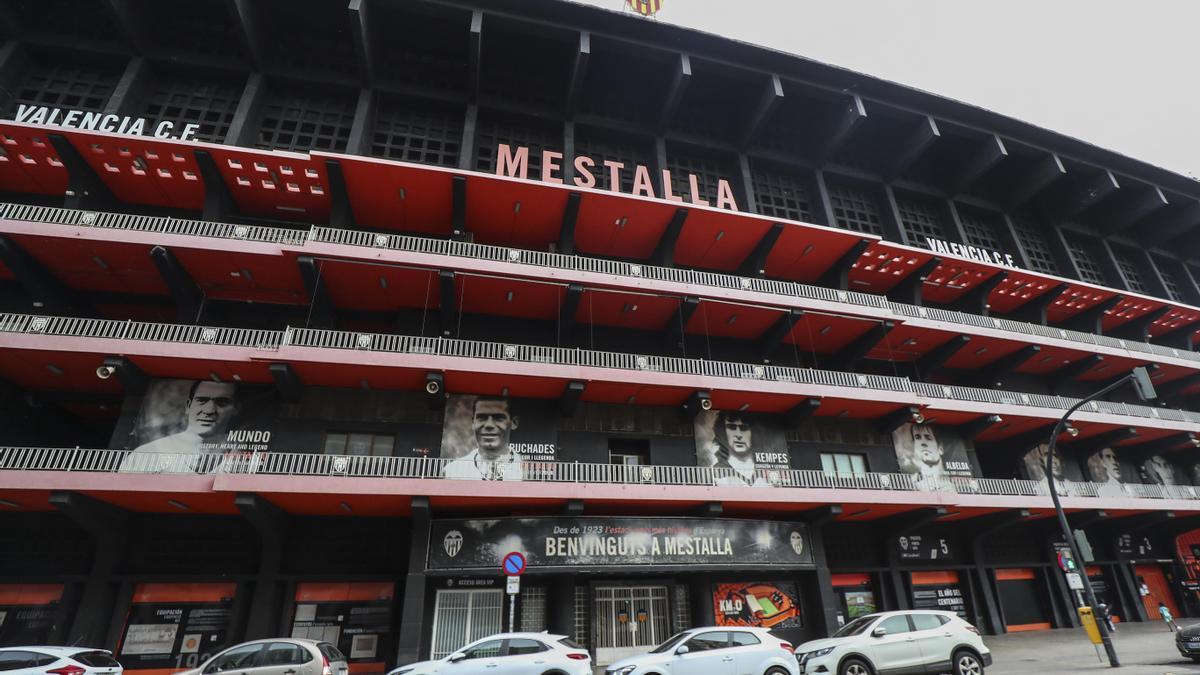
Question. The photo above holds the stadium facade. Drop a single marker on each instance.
(309, 318)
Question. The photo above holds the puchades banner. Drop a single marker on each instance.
(767, 604)
(742, 448)
(493, 438)
(931, 455)
(557, 543)
(188, 425)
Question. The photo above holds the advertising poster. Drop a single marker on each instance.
(773, 604)
(493, 438)
(175, 625)
(564, 543)
(939, 591)
(931, 455)
(1066, 476)
(357, 617)
(1158, 470)
(27, 613)
(743, 449)
(189, 425)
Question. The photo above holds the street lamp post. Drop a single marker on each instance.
(1145, 390)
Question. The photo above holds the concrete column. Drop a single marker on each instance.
(412, 612)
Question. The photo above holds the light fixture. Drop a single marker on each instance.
(807, 249)
(214, 376)
(504, 392)
(54, 370)
(825, 329)
(100, 262)
(403, 194)
(383, 283)
(1072, 430)
(731, 319)
(744, 407)
(981, 351)
(178, 504)
(516, 207)
(621, 221)
(237, 378)
(345, 507)
(509, 296)
(720, 235)
(909, 342)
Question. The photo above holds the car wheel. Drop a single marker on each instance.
(966, 663)
(777, 671)
(854, 667)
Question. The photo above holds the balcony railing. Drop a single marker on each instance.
(270, 340)
(78, 460)
(412, 244)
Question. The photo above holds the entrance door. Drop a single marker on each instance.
(462, 616)
(1160, 591)
(628, 620)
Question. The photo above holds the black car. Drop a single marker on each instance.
(1187, 640)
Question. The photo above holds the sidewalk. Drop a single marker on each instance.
(1143, 649)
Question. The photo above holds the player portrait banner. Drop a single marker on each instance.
(1159, 470)
(495, 438)
(189, 425)
(743, 449)
(568, 543)
(762, 604)
(1103, 466)
(931, 455)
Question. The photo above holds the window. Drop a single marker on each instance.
(980, 230)
(926, 621)
(96, 660)
(1035, 245)
(486, 650)
(920, 220)
(895, 625)
(628, 451)
(1130, 270)
(519, 646)
(855, 209)
(16, 660)
(360, 444)
(744, 639)
(1089, 269)
(330, 652)
(286, 654)
(708, 641)
(843, 464)
(234, 659)
(570, 644)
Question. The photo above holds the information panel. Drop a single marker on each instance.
(176, 625)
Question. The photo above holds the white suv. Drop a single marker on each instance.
(714, 651)
(898, 642)
(509, 654)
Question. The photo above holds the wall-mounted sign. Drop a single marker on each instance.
(774, 604)
(176, 625)
(1133, 546)
(742, 448)
(912, 547)
(355, 616)
(98, 121)
(514, 163)
(976, 253)
(555, 543)
(494, 438)
(932, 455)
(939, 591)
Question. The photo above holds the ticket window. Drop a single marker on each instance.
(27, 613)
(357, 618)
(856, 596)
(940, 590)
(175, 626)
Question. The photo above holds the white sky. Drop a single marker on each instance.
(1120, 74)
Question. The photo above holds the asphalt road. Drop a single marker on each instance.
(1143, 649)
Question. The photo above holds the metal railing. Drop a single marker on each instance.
(81, 460)
(427, 245)
(477, 349)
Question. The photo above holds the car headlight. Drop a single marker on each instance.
(624, 671)
(820, 652)
(401, 671)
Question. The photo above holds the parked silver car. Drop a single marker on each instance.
(58, 661)
(276, 656)
(509, 654)
(714, 651)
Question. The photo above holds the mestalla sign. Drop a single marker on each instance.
(561, 543)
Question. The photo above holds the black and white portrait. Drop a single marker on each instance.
(494, 438)
(1158, 471)
(1104, 467)
(743, 449)
(179, 423)
(931, 455)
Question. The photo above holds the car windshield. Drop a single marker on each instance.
(856, 627)
(669, 644)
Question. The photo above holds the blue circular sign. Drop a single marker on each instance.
(513, 564)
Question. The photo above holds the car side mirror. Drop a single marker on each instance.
(683, 649)
(456, 657)
(879, 632)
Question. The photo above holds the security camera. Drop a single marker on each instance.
(433, 386)
(105, 372)
(434, 382)
(706, 403)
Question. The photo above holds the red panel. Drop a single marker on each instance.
(854, 408)
(804, 252)
(150, 502)
(509, 297)
(907, 343)
(29, 163)
(203, 369)
(97, 265)
(827, 334)
(612, 392)
(1129, 309)
(954, 277)
(509, 212)
(1176, 317)
(1019, 288)
(373, 288)
(1051, 359)
(494, 384)
(281, 185)
(242, 276)
(721, 319)
(55, 371)
(622, 227)
(1076, 299)
(884, 265)
(183, 592)
(718, 240)
(759, 403)
(981, 351)
(143, 171)
(355, 377)
(398, 196)
(627, 310)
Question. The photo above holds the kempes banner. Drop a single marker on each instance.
(491, 438)
(744, 449)
(553, 543)
(931, 455)
(189, 417)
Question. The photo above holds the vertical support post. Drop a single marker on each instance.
(412, 613)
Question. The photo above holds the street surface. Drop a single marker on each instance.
(1143, 648)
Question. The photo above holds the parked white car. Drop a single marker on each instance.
(714, 651)
(509, 654)
(58, 661)
(898, 642)
(276, 656)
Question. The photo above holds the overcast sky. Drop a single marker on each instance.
(1121, 74)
